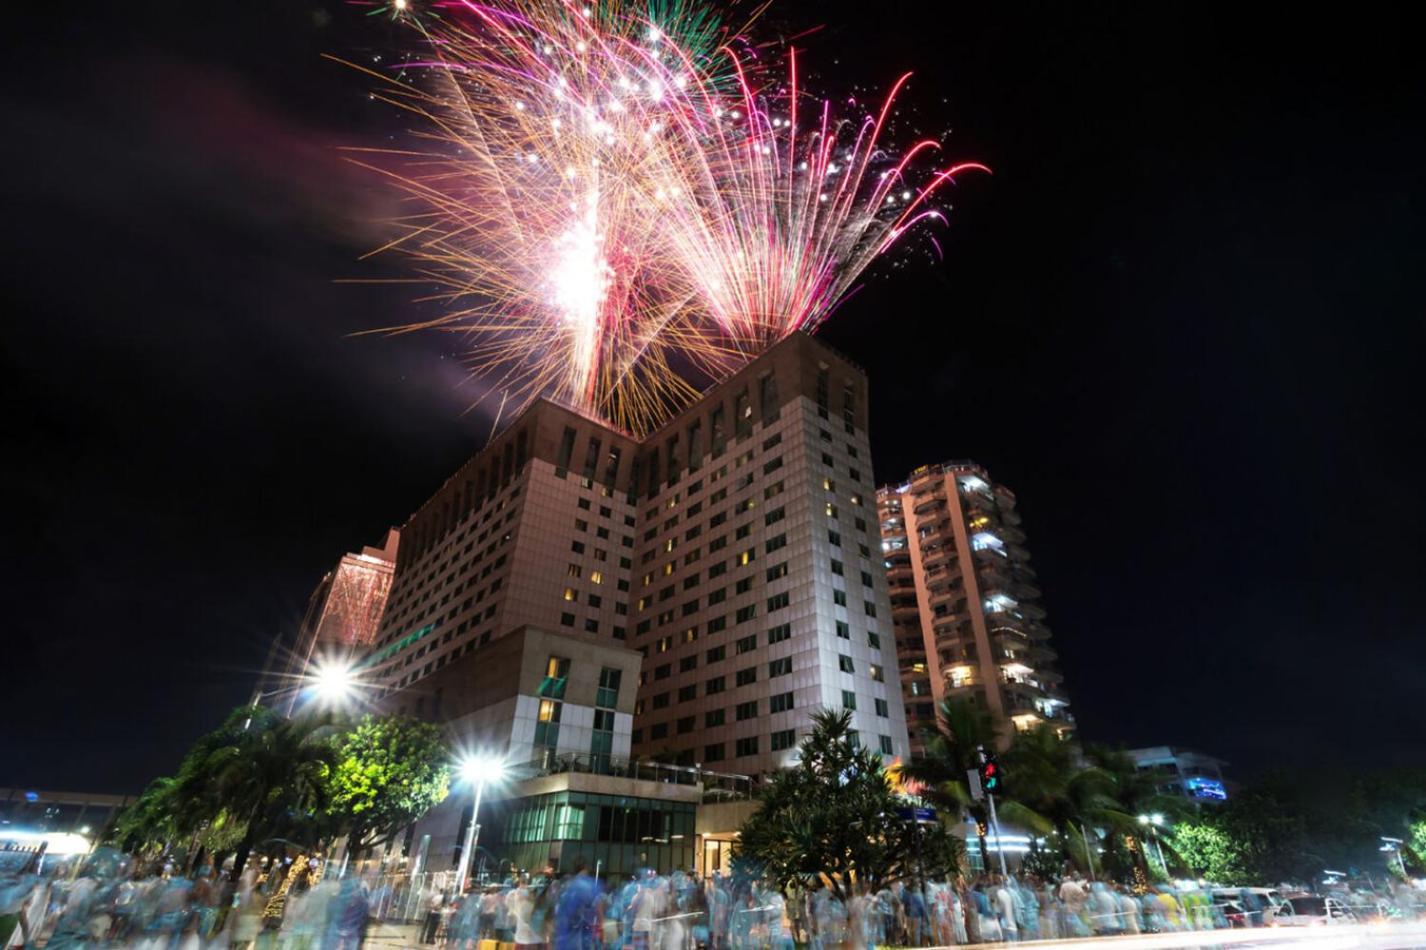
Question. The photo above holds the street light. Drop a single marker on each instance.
(1393, 845)
(478, 770)
(334, 683)
(1152, 822)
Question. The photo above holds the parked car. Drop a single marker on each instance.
(1232, 901)
(1312, 911)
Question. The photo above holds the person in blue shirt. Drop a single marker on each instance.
(577, 911)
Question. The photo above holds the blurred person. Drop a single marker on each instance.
(576, 911)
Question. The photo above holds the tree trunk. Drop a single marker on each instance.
(240, 856)
(354, 848)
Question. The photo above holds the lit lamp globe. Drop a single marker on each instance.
(335, 684)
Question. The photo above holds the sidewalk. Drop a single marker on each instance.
(393, 935)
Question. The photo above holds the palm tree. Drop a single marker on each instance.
(953, 751)
(1051, 792)
(268, 774)
(1135, 793)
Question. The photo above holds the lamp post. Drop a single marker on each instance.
(1394, 846)
(1152, 822)
(477, 770)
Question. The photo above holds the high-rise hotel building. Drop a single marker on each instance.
(965, 606)
(736, 549)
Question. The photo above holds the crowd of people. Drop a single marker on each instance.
(113, 901)
(679, 911)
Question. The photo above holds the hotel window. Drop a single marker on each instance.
(744, 614)
(566, 449)
(714, 686)
(780, 667)
(713, 718)
(716, 654)
(886, 747)
(746, 711)
(688, 693)
(556, 676)
(782, 702)
(746, 644)
(767, 398)
(844, 663)
(779, 633)
(686, 725)
(547, 725)
(783, 739)
(849, 699)
(844, 631)
(742, 414)
(881, 708)
(746, 746)
(661, 701)
(747, 676)
(688, 663)
(876, 674)
(718, 431)
(608, 693)
(713, 753)
(778, 601)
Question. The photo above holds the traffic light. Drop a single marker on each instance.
(992, 777)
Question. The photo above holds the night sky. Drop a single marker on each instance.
(1183, 321)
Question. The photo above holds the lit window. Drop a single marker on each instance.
(570, 594)
(597, 577)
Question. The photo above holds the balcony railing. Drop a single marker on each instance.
(716, 786)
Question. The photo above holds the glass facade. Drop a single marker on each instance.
(618, 833)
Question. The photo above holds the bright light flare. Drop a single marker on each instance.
(335, 682)
(481, 769)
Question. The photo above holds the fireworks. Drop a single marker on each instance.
(609, 202)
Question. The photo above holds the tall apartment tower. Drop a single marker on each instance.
(965, 608)
(734, 549)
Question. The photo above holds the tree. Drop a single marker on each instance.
(832, 817)
(1051, 793)
(952, 751)
(267, 773)
(387, 773)
(1207, 850)
(148, 823)
(1133, 793)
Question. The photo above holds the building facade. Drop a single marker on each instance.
(734, 550)
(342, 619)
(964, 604)
(1184, 772)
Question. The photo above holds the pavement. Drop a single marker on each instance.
(1388, 936)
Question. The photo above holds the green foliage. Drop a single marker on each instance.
(1208, 850)
(833, 817)
(387, 773)
(1415, 850)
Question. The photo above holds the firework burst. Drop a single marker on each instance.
(609, 202)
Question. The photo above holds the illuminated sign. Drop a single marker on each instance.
(1206, 788)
